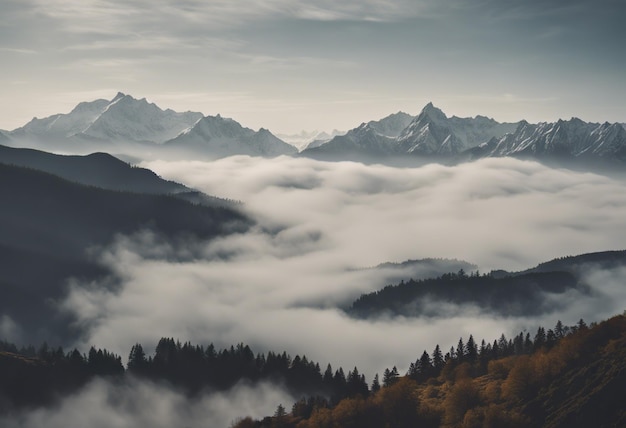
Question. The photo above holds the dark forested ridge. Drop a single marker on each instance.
(48, 223)
(97, 169)
(105, 171)
(511, 295)
(500, 292)
(40, 376)
(578, 264)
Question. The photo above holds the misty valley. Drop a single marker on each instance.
(174, 269)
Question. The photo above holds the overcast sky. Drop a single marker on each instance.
(289, 65)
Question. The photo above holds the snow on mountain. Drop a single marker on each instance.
(360, 142)
(392, 125)
(62, 126)
(568, 139)
(306, 139)
(124, 118)
(371, 139)
(3, 136)
(430, 133)
(216, 137)
(128, 119)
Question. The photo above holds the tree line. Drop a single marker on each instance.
(35, 376)
(577, 380)
(512, 295)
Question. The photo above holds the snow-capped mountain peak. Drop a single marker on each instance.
(216, 136)
(433, 113)
(123, 118)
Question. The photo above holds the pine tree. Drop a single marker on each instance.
(390, 376)
(137, 359)
(460, 351)
(559, 330)
(471, 350)
(375, 384)
(425, 367)
(438, 360)
(540, 338)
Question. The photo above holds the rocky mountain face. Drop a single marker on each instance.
(569, 139)
(215, 137)
(432, 134)
(123, 118)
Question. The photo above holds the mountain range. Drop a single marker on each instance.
(305, 140)
(433, 135)
(216, 137)
(142, 129)
(138, 128)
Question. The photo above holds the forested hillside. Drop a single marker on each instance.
(532, 291)
(566, 377)
(47, 224)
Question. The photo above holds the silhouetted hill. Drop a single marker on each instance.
(48, 223)
(508, 296)
(576, 264)
(105, 171)
(97, 169)
(500, 292)
(421, 269)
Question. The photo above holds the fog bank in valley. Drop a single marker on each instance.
(103, 404)
(280, 286)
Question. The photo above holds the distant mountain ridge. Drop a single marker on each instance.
(433, 135)
(215, 137)
(123, 118)
(304, 139)
(138, 128)
(135, 126)
(571, 139)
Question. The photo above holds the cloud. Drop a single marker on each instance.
(279, 286)
(9, 330)
(135, 403)
(110, 16)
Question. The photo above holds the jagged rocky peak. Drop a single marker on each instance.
(119, 96)
(434, 113)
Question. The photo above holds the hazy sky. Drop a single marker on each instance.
(289, 65)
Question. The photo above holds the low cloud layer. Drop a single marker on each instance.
(135, 403)
(279, 287)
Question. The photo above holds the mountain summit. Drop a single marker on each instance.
(139, 128)
(216, 137)
(431, 133)
(123, 118)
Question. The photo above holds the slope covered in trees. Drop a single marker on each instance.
(47, 224)
(32, 377)
(560, 377)
(511, 295)
(529, 292)
(568, 377)
(105, 171)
